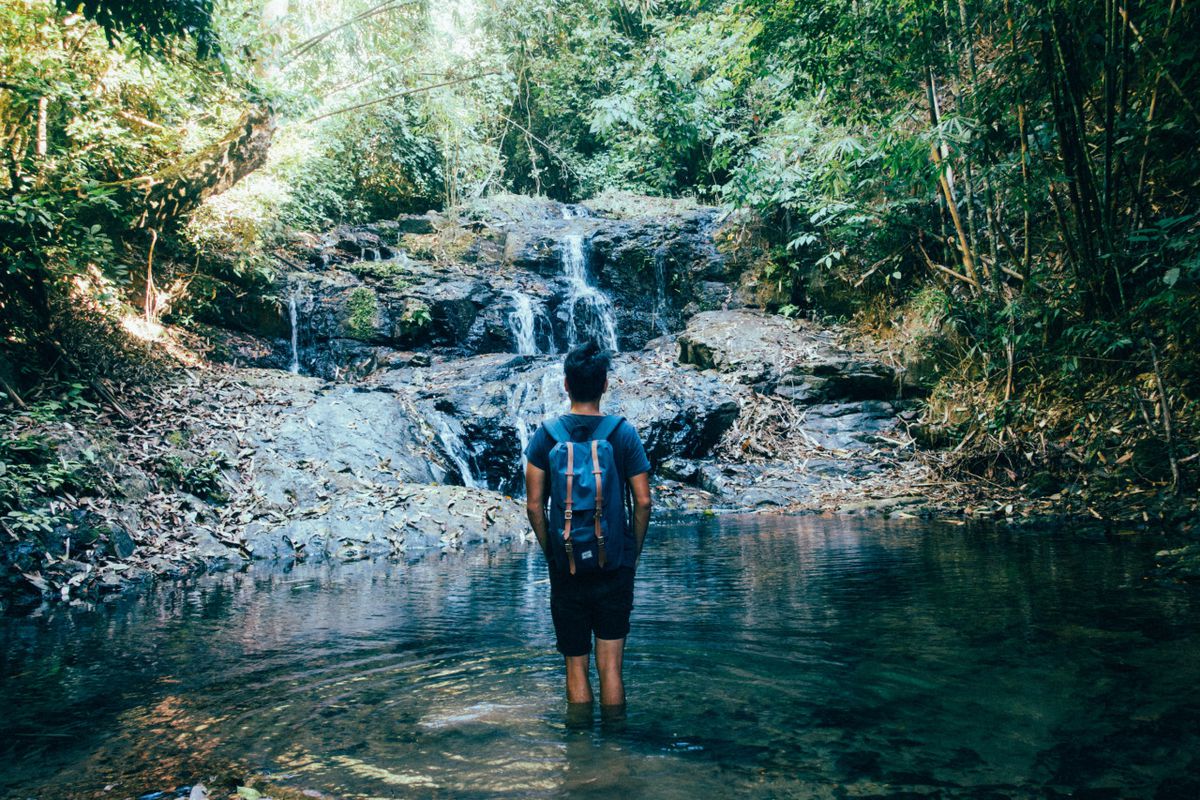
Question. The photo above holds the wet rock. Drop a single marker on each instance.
(497, 401)
(331, 438)
(648, 264)
(255, 312)
(119, 543)
(454, 307)
(538, 250)
(679, 469)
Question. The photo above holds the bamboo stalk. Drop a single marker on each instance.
(1141, 179)
(43, 105)
(1165, 405)
(964, 245)
(1159, 63)
(943, 268)
(149, 299)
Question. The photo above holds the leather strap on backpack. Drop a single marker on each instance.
(599, 503)
(570, 548)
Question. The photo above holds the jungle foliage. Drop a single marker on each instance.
(1022, 173)
(1008, 186)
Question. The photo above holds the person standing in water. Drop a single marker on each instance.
(593, 534)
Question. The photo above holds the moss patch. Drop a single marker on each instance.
(362, 313)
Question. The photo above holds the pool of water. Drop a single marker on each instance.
(770, 657)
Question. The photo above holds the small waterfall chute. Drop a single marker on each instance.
(660, 292)
(590, 313)
(293, 320)
(529, 403)
(523, 323)
(457, 452)
(526, 320)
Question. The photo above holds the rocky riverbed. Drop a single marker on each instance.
(376, 399)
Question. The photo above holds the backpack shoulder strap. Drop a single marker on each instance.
(607, 426)
(556, 429)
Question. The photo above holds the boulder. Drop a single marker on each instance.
(119, 543)
(417, 223)
(794, 359)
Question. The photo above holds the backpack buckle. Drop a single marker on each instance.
(567, 514)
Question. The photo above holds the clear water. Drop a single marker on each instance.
(771, 657)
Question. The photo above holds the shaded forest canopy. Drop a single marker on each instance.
(1009, 189)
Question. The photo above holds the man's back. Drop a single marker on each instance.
(591, 603)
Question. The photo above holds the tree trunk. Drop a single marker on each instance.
(169, 195)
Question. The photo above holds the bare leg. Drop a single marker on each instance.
(610, 654)
(579, 689)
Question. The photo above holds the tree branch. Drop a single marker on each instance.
(308, 44)
(397, 95)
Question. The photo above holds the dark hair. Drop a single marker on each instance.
(586, 369)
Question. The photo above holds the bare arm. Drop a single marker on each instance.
(640, 484)
(535, 505)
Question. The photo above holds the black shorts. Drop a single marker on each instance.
(582, 605)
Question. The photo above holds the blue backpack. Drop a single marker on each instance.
(587, 514)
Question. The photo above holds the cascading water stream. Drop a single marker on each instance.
(531, 402)
(660, 292)
(457, 452)
(588, 308)
(293, 314)
(522, 320)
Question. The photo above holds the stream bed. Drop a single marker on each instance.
(771, 656)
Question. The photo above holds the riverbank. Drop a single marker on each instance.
(374, 400)
(218, 465)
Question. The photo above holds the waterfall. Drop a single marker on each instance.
(529, 403)
(457, 452)
(660, 292)
(294, 367)
(518, 413)
(528, 314)
(523, 323)
(587, 307)
(571, 212)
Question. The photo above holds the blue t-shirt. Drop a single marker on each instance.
(628, 452)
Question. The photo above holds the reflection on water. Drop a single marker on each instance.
(784, 657)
